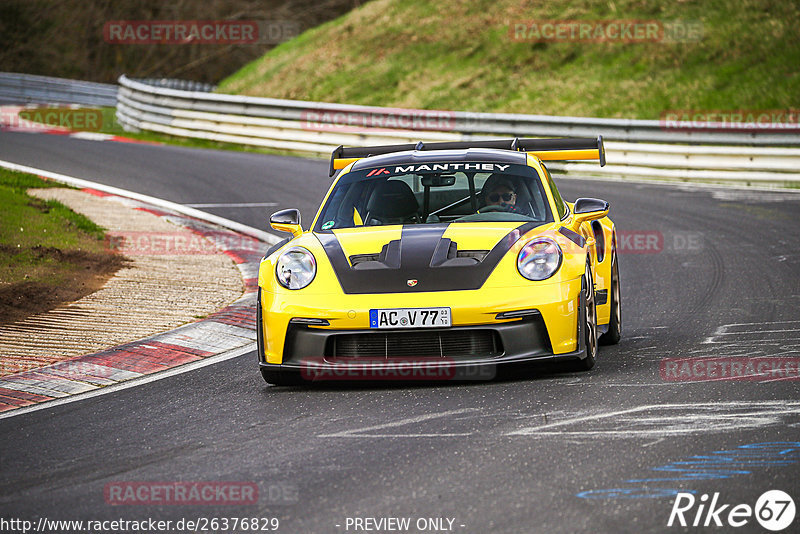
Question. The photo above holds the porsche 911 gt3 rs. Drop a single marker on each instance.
(441, 256)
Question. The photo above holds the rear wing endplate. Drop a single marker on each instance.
(545, 149)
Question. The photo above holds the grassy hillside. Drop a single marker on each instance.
(459, 55)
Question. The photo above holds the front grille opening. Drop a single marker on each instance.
(422, 344)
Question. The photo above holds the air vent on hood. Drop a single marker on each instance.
(355, 259)
(477, 254)
(447, 254)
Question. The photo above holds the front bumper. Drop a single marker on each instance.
(554, 335)
(456, 353)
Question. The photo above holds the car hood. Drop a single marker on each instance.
(424, 257)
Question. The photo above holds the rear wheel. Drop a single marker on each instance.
(614, 333)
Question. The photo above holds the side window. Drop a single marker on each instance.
(561, 207)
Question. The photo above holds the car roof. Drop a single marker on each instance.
(483, 155)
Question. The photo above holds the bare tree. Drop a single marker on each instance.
(65, 37)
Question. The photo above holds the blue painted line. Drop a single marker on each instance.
(713, 466)
(632, 493)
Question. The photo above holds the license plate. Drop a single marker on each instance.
(409, 318)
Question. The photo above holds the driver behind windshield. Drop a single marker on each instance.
(502, 194)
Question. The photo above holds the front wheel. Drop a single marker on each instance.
(589, 318)
(614, 333)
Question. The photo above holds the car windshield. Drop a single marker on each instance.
(436, 193)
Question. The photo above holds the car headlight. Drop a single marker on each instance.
(296, 268)
(539, 259)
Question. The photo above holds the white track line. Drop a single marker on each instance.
(160, 203)
(581, 419)
(674, 184)
(358, 432)
(234, 205)
(780, 407)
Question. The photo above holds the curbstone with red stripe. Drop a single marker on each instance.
(230, 328)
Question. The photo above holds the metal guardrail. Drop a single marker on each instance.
(298, 125)
(633, 147)
(182, 85)
(476, 123)
(31, 89)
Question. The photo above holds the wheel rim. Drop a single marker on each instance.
(615, 293)
(591, 316)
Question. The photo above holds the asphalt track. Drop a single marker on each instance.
(602, 451)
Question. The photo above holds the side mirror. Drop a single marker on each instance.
(587, 209)
(287, 221)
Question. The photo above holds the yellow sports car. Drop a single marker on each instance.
(438, 261)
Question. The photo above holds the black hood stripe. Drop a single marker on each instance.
(417, 261)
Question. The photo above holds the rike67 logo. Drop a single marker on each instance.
(774, 510)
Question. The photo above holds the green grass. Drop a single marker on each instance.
(31, 229)
(459, 55)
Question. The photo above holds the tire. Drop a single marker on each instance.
(589, 318)
(281, 378)
(614, 333)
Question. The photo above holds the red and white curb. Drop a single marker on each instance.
(90, 136)
(10, 121)
(227, 333)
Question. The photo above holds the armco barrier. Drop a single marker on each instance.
(31, 89)
(634, 147)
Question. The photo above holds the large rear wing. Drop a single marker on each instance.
(546, 149)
